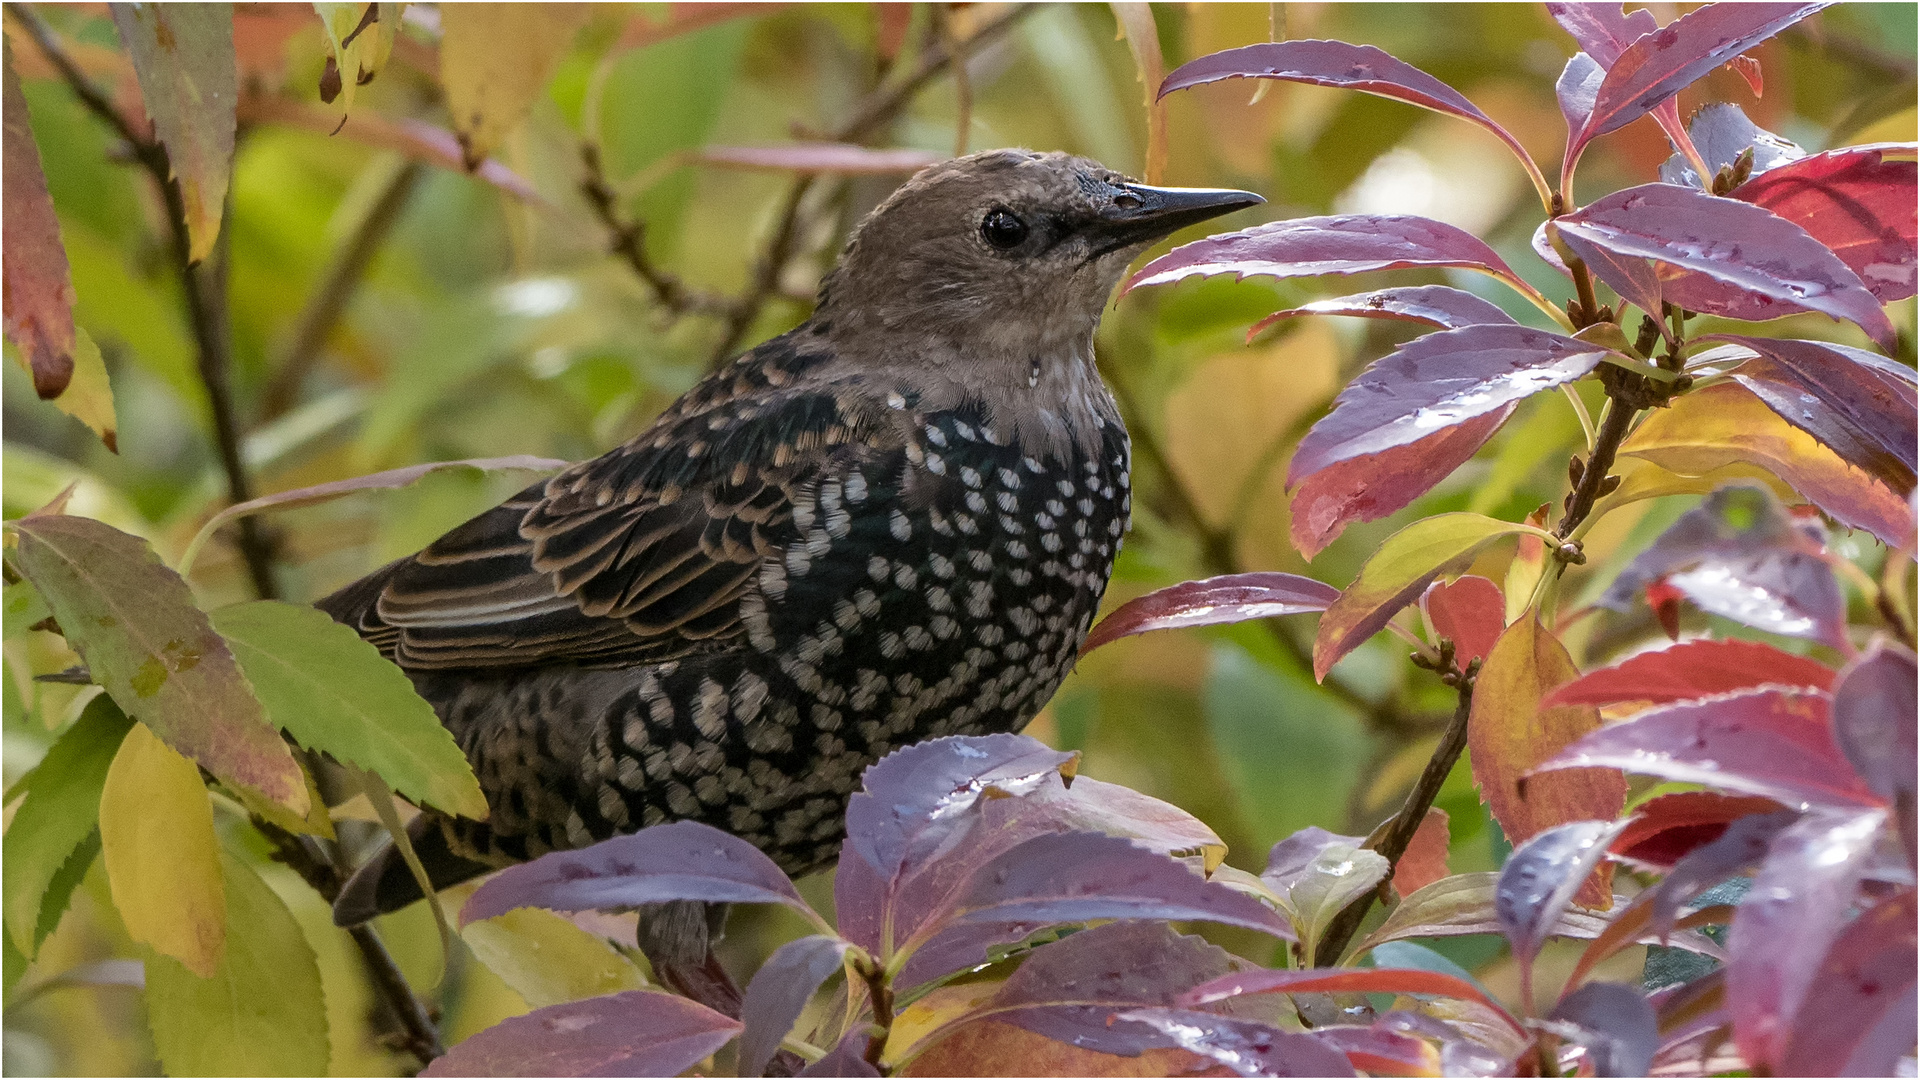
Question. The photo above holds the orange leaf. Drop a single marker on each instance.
(993, 1048)
(1425, 860)
(1509, 733)
(38, 288)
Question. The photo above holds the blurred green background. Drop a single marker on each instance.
(486, 325)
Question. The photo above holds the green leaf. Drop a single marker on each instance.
(59, 895)
(548, 960)
(261, 1013)
(1399, 572)
(329, 689)
(183, 57)
(60, 811)
(134, 622)
(23, 607)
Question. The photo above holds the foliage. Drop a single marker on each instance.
(1716, 838)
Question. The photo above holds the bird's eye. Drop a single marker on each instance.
(1003, 229)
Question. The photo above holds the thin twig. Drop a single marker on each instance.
(880, 994)
(628, 239)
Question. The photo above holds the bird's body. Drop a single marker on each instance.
(894, 523)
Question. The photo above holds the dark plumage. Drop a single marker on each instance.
(893, 523)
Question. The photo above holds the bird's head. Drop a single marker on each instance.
(1004, 251)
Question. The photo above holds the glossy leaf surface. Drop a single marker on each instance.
(1693, 669)
(1865, 418)
(1248, 1047)
(1338, 980)
(1311, 246)
(1316, 874)
(1542, 876)
(1740, 847)
(1463, 904)
(39, 288)
(1722, 132)
(1860, 1019)
(1615, 1024)
(1435, 305)
(1212, 601)
(636, 1033)
(779, 991)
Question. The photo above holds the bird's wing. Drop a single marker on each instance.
(640, 556)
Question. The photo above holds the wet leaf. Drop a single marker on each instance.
(183, 57)
(1434, 305)
(1737, 850)
(1337, 63)
(1470, 611)
(1311, 246)
(1693, 669)
(1425, 860)
(1789, 919)
(1371, 486)
(56, 818)
(1397, 573)
(1542, 876)
(1248, 1047)
(1730, 242)
(1615, 1024)
(1341, 980)
(1316, 874)
(779, 991)
(1865, 418)
(1435, 382)
(1874, 723)
(1463, 904)
(334, 692)
(261, 1012)
(1230, 598)
(1078, 877)
(841, 158)
(1725, 424)
(548, 960)
(635, 1033)
(134, 623)
(163, 862)
(1379, 1051)
(1861, 1022)
(414, 139)
(38, 287)
(1739, 555)
(488, 94)
(1510, 732)
(1665, 828)
(684, 860)
(1774, 743)
(1856, 200)
(1721, 132)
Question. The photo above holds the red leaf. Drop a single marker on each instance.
(1435, 305)
(635, 1033)
(1861, 1023)
(843, 158)
(1470, 610)
(1695, 669)
(1855, 201)
(1341, 64)
(37, 288)
(1665, 828)
(1371, 486)
(1510, 733)
(1664, 600)
(1381, 1051)
(1230, 598)
(1748, 68)
(1778, 744)
(1425, 860)
(1341, 244)
(1343, 980)
(1730, 242)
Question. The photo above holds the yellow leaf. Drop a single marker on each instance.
(494, 61)
(1143, 39)
(89, 396)
(548, 960)
(163, 862)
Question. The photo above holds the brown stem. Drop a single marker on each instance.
(628, 239)
(1606, 443)
(1393, 840)
(880, 993)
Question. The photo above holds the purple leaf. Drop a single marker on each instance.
(1213, 601)
(1338, 980)
(1721, 132)
(1576, 87)
(779, 991)
(681, 861)
(847, 1058)
(1822, 389)
(1077, 877)
(1615, 1024)
(1861, 1023)
(635, 1033)
(1859, 201)
(1739, 555)
(1340, 244)
(1731, 242)
(1341, 64)
(1382, 1051)
(1436, 305)
(1874, 723)
(1070, 990)
(1541, 877)
(1316, 873)
(1435, 382)
(1603, 30)
(1769, 742)
(1660, 63)
(1741, 847)
(1248, 1047)
(1787, 921)
(1634, 279)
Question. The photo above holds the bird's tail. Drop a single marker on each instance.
(384, 884)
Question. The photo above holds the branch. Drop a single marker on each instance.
(628, 239)
(203, 285)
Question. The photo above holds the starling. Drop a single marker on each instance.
(892, 523)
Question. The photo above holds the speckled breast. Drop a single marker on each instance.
(941, 590)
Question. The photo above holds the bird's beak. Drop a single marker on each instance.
(1142, 214)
